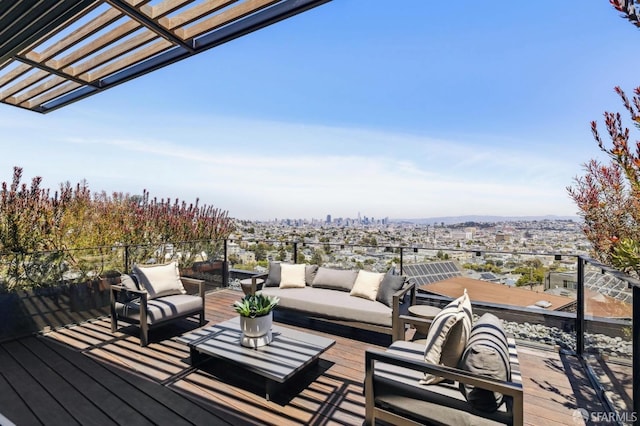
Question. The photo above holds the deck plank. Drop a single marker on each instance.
(157, 383)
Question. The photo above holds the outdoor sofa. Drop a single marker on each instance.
(355, 298)
(155, 295)
(458, 375)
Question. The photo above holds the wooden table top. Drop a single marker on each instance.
(289, 352)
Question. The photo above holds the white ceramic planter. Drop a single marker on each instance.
(256, 331)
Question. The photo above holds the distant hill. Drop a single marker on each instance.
(450, 220)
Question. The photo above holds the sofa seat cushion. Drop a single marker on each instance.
(331, 304)
(161, 309)
(398, 389)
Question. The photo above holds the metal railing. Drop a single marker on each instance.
(584, 320)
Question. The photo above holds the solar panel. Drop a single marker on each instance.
(608, 285)
(426, 273)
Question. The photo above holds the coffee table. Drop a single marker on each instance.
(290, 352)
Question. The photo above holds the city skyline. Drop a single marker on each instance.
(420, 110)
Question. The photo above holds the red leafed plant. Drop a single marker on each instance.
(35, 227)
(608, 195)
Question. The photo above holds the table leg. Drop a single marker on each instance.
(268, 389)
(195, 356)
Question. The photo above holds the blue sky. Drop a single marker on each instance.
(392, 109)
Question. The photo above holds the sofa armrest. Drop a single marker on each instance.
(194, 282)
(254, 281)
(415, 321)
(512, 389)
(399, 328)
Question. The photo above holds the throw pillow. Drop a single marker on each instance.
(273, 277)
(160, 280)
(367, 284)
(292, 276)
(487, 354)
(456, 341)
(336, 279)
(389, 285)
(447, 337)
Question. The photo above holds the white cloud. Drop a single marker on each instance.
(261, 169)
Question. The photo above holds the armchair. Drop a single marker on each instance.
(394, 393)
(155, 297)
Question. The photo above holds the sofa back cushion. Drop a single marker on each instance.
(273, 277)
(486, 354)
(389, 285)
(159, 280)
(336, 279)
(448, 335)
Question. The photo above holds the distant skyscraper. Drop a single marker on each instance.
(328, 218)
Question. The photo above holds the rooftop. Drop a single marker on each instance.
(495, 293)
(84, 373)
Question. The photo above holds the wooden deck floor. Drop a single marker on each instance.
(86, 375)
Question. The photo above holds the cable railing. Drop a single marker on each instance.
(39, 291)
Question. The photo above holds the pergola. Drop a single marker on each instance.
(56, 52)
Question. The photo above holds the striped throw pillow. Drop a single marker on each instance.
(448, 336)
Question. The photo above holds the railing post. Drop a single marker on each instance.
(635, 374)
(580, 309)
(225, 265)
(126, 259)
(401, 260)
(295, 252)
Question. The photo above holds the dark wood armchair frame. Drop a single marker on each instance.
(512, 389)
(142, 320)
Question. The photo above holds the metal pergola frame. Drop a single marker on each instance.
(56, 52)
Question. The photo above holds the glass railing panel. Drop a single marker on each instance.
(608, 349)
(534, 294)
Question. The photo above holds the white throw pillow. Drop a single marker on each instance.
(367, 284)
(292, 276)
(160, 280)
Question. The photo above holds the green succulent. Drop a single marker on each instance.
(255, 305)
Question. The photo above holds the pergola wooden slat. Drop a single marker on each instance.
(56, 52)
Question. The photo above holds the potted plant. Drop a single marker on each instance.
(256, 317)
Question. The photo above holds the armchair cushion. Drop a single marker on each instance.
(162, 309)
(487, 354)
(448, 336)
(160, 280)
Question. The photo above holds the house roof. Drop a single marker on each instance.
(484, 291)
(55, 52)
